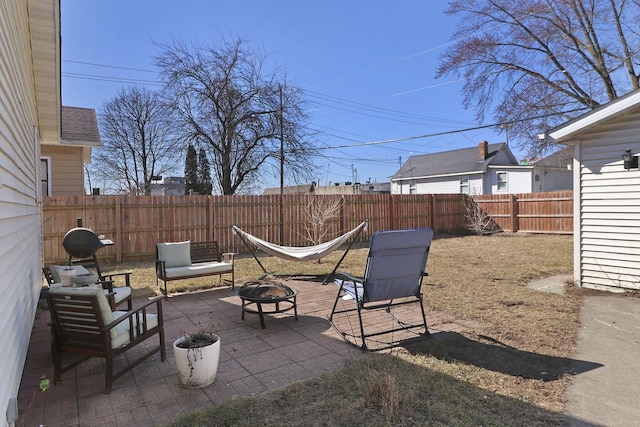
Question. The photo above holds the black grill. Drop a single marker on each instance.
(81, 243)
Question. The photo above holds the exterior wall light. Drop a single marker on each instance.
(630, 161)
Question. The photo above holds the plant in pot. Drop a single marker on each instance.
(197, 357)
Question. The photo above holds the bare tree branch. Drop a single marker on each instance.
(542, 58)
(223, 99)
(137, 141)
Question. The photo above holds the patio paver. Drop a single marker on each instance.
(252, 360)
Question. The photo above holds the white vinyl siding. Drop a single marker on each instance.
(440, 185)
(519, 180)
(20, 219)
(66, 170)
(609, 227)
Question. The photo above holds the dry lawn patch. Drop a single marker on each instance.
(510, 367)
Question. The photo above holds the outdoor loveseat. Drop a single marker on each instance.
(185, 260)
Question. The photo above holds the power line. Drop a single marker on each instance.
(93, 64)
(450, 132)
(110, 79)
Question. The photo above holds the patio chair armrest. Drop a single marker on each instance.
(106, 285)
(161, 270)
(126, 275)
(348, 277)
(228, 257)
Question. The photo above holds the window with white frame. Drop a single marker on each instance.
(464, 185)
(45, 176)
(502, 181)
(412, 187)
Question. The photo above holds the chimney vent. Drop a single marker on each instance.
(483, 150)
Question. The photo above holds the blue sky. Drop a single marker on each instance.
(368, 67)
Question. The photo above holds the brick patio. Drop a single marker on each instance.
(252, 360)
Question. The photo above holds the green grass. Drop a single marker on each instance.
(509, 367)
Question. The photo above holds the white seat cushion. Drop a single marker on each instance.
(121, 293)
(122, 328)
(199, 269)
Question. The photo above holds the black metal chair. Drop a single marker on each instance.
(393, 276)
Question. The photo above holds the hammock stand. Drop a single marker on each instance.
(306, 253)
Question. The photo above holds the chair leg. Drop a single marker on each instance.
(424, 317)
(57, 366)
(335, 304)
(364, 342)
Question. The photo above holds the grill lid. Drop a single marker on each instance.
(81, 243)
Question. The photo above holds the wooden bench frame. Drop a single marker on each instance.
(201, 252)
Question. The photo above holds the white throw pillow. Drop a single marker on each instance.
(177, 254)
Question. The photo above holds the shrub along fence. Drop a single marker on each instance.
(137, 223)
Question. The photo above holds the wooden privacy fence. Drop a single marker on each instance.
(137, 223)
(550, 212)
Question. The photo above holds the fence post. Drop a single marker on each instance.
(119, 235)
(342, 224)
(392, 219)
(210, 219)
(432, 212)
(514, 214)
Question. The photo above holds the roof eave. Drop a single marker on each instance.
(568, 130)
(44, 25)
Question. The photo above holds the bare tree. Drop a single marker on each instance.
(318, 211)
(478, 221)
(533, 64)
(224, 99)
(137, 141)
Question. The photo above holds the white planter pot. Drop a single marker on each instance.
(197, 367)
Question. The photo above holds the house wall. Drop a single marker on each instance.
(518, 180)
(438, 185)
(67, 170)
(608, 225)
(20, 217)
(552, 179)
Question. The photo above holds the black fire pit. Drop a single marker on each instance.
(267, 292)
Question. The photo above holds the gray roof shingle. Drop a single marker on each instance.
(80, 126)
(464, 160)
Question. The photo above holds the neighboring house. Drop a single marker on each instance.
(62, 161)
(376, 188)
(30, 115)
(554, 172)
(171, 186)
(318, 190)
(487, 169)
(290, 189)
(606, 194)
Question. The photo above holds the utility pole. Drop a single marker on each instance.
(281, 169)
